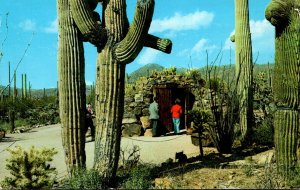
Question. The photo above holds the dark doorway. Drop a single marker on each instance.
(166, 98)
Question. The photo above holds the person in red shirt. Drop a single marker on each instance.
(176, 111)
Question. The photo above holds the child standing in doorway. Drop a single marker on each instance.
(176, 112)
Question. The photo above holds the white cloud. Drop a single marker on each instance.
(200, 45)
(198, 51)
(262, 35)
(148, 56)
(52, 28)
(178, 22)
(28, 25)
(261, 29)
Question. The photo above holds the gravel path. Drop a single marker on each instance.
(152, 150)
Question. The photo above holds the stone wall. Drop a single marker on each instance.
(137, 100)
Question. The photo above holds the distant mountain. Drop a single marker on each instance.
(219, 71)
(144, 71)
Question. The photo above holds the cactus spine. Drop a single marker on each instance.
(123, 45)
(76, 22)
(285, 16)
(244, 66)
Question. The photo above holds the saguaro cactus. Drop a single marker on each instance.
(285, 16)
(15, 86)
(244, 66)
(123, 45)
(71, 14)
(9, 90)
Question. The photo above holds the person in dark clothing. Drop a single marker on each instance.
(89, 123)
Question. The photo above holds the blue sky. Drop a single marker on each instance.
(194, 26)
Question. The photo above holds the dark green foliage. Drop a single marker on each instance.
(200, 118)
(31, 111)
(83, 179)
(139, 177)
(263, 134)
(30, 169)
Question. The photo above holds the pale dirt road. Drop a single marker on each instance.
(152, 150)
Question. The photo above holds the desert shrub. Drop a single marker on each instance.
(264, 133)
(139, 177)
(30, 112)
(30, 169)
(129, 158)
(83, 179)
(294, 181)
(270, 179)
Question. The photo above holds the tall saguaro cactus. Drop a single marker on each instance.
(15, 86)
(244, 66)
(72, 13)
(123, 45)
(285, 16)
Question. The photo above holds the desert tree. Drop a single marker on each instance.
(285, 16)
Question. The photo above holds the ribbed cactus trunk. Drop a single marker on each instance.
(244, 67)
(123, 45)
(77, 23)
(71, 87)
(15, 86)
(9, 80)
(22, 89)
(285, 16)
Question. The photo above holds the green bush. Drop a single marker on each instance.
(139, 177)
(30, 169)
(83, 179)
(29, 112)
(263, 134)
(270, 178)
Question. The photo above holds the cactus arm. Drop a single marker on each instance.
(87, 23)
(277, 12)
(128, 49)
(164, 45)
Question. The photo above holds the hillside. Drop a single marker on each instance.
(219, 71)
(144, 71)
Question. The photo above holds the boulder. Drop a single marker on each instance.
(129, 120)
(138, 111)
(131, 130)
(148, 133)
(163, 183)
(145, 111)
(145, 122)
(138, 98)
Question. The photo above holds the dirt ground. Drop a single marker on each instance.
(215, 171)
(246, 169)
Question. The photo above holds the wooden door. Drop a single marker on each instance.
(179, 93)
(165, 103)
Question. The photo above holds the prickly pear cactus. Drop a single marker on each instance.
(285, 16)
(244, 66)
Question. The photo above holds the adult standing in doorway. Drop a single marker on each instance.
(153, 109)
(176, 112)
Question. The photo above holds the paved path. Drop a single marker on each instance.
(152, 150)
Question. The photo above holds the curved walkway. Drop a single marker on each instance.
(152, 150)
